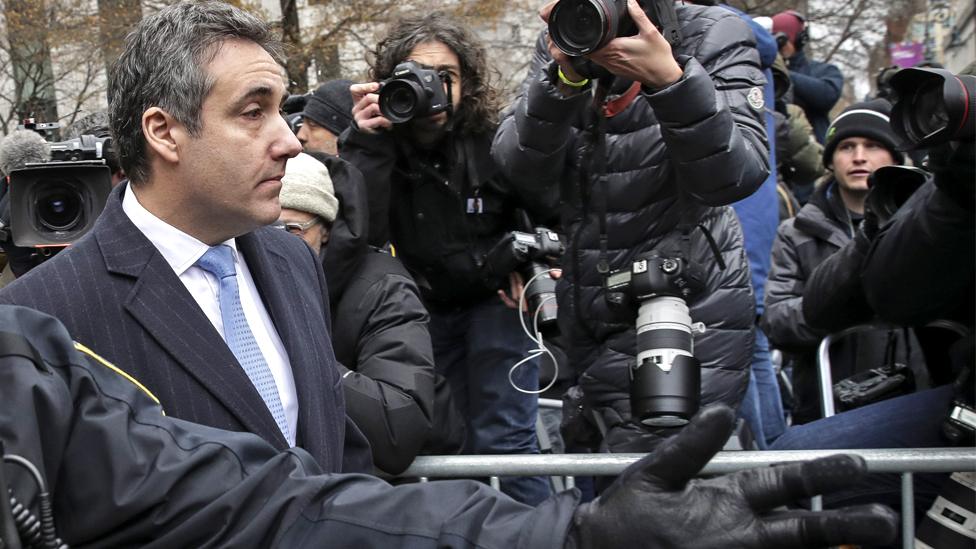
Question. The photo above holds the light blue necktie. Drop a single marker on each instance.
(219, 261)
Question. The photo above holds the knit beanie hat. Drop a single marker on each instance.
(307, 187)
(330, 106)
(866, 119)
(788, 23)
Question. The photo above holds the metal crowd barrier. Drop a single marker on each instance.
(904, 461)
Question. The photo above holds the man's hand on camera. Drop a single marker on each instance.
(645, 57)
(366, 108)
(657, 502)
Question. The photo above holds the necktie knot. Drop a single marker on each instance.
(218, 261)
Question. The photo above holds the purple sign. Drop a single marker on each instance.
(906, 54)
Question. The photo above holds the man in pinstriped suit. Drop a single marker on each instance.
(194, 112)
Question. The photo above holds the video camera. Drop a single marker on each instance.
(527, 253)
(665, 382)
(581, 27)
(414, 92)
(53, 203)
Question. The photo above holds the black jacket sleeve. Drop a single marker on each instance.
(122, 474)
(389, 382)
(833, 298)
(783, 320)
(375, 156)
(921, 264)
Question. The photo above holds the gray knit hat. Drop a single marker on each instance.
(307, 187)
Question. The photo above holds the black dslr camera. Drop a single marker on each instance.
(527, 253)
(580, 27)
(54, 203)
(665, 381)
(414, 92)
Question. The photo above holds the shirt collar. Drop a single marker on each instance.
(179, 249)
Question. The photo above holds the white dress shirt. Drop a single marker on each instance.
(182, 251)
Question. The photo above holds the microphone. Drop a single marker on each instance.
(20, 148)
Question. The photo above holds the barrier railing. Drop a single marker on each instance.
(904, 461)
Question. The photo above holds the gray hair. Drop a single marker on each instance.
(162, 65)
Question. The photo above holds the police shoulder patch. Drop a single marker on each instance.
(755, 98)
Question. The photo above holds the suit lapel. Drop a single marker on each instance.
(164, 308)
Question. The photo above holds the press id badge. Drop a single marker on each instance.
(475, 205)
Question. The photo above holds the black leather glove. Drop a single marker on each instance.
(656, 502)
(952, 164)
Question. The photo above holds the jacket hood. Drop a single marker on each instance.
(347, 242)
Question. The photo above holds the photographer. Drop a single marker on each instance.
(681, 137)
(911, 262)
(435, 194)
(859, 141)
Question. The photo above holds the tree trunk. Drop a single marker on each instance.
(296, 62)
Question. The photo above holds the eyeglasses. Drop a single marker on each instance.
(297, 228)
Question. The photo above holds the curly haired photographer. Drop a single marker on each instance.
(435, 194)
(683, 134)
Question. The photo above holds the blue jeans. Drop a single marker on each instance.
(762, 406)
(910, 421)
(474, 348)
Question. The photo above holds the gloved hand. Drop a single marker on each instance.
(952, 165)
(656, 502)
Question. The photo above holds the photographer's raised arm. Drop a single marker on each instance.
(368, 145)
(712, 118)
(536, 135)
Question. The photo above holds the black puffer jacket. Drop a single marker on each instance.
(671, 156)
(443, 209)
(380, 336)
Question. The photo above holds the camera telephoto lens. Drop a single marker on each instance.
(59, 210)
(666, 384)
(402, 100)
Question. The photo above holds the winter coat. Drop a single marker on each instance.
(758, 213)
(802, 161)
(380, 335)
(672, 155)
(821, 228)
(816, 88)
(442, 209)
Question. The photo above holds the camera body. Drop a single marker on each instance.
(665, 380)
(55, 203)
(413, 92)
(527, 253)
(581, 27)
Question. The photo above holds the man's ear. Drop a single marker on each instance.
(163, 134)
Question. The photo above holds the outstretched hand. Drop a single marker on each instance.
(657, 502)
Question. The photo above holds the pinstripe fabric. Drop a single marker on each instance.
(117, 295)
